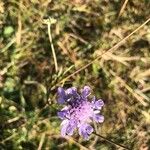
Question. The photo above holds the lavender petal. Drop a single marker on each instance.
(64, 126)
(98, 104)
(61, 100)
(85, 130)
(85, 92)
(98, 118)
(62, 114)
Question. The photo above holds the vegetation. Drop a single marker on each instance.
(45, 44)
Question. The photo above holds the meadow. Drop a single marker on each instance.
(46, 44)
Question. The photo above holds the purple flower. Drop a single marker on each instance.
(79, 112)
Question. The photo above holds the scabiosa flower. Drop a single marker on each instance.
(79, 112)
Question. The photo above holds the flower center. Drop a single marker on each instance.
(82, 112)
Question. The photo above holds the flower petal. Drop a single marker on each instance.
(82, 132)
(62, 114)
(72, 126)
(72, 92)
(62, 95)
(89, 129)
(98, 104)
(70, 129)
(61, 92)
(98, 118)
(61, 100)
(64, 126)
(85, 130)
(85, 92)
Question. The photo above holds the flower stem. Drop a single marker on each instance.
(111, 142)
(51, 42)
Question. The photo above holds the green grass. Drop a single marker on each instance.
(83, 30)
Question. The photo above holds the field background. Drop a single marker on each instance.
(81, 30)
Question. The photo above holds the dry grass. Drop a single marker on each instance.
(103, 44)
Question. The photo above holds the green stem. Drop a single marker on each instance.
(111, 142)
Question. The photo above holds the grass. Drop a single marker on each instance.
(84, 39)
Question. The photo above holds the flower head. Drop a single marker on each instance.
(79, 112)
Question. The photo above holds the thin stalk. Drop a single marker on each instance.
(51, 42)
(111, 142)
(123, 8)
